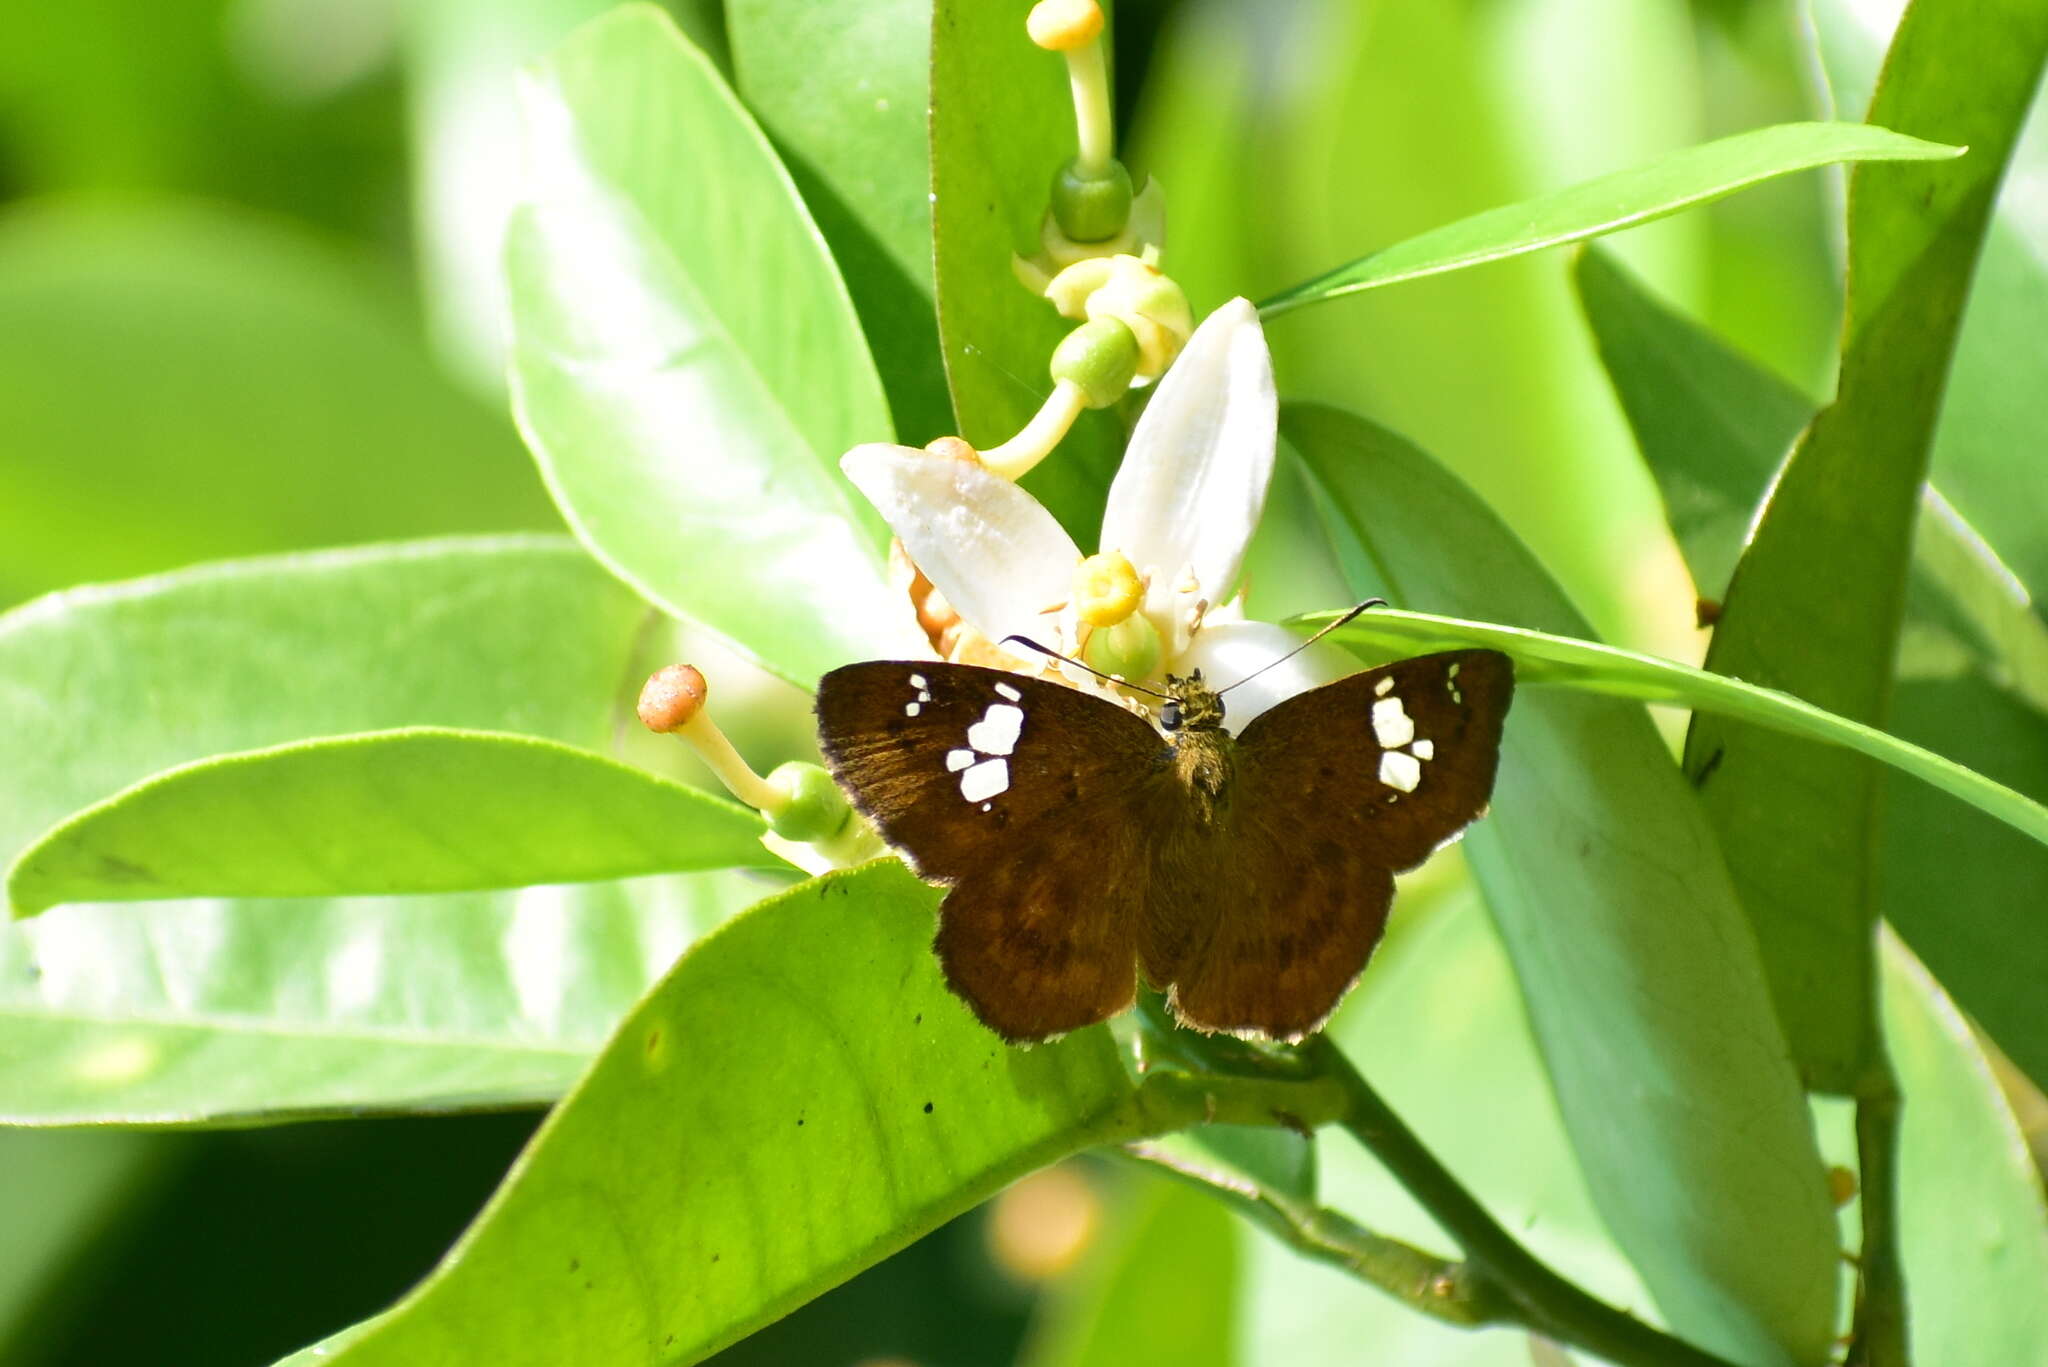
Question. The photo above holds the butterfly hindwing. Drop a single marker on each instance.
(1019, 794)
(1320, 822)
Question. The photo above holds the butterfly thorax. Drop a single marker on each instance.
(1203, 752)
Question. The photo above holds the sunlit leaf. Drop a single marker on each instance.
(411, 811)
(1624, 199)
(673, 400)
(1974, 663)
(1816, 602)
(996, 144)
(842, 87)
(1709, 1177)
(801, 1097)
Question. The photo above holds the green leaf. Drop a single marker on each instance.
(411, 811)
(996, 144)
(1624, 199)
(1815, 604)
(1974, 666)
(1163, 1287)
(61, 1189)
(686, 366)
(205, 1010)
(1974, 1230)
(1708, 1175)
(253, 1011)
(1439, 1002)
(842, 88)
(800, 1097)
(179, 383)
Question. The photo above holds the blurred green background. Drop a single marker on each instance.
(248, 303)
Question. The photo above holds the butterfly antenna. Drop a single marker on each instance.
(1030, 644)
(1368, 603)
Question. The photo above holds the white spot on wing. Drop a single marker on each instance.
(985, 780)
(1383, 687)
(1391, 723)
(956, 760)
(997, 731)
(919, 681)
(911, 709)
(1400, 771)
(1424, 749)
(1012, 694)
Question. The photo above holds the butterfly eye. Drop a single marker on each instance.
(1169, 715)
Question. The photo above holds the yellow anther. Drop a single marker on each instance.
(1107, 589)
(953, 448)
(1063, 25)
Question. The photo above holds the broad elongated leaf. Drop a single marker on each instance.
(1815, 604)
(1994, 420)
(1974, 665)
(253, 1011)
(799, 1098)
(180, 383)
(411, 811)
(1680, 180)
(843, 87)
(686, 366)
(1001, 124)
(1708, 1177)
(204, 1010)
(1974, 1229)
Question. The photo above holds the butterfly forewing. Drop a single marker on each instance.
(1020, 794)
(1321, 819)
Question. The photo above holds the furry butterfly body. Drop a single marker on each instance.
(1247, 876)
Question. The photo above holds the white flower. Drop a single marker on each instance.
(1181, 510)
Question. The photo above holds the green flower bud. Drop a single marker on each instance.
(812, 809)
(1098, 357)
(1091, 208)
(1130, 649)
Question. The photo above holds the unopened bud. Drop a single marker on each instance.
(1091, 206)
(671, 698)
(1100, 358)
(1063, 25)
(811, 806)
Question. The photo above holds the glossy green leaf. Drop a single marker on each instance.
(1161, 1287)
(1994, 418)
(800, 1097)
(1816, 602)
(842, 87)
(1707, 1174)
(995, 146)
(1438, 1027)
(205, 1010)
(687, 367)
(1624, 199)
(1974, 664)
(387, 812)
(180, 382)
(1974, 1228)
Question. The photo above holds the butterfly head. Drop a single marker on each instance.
(1190, 705)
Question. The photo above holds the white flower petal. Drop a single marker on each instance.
(1229, 651)
(997, 555)
(1194, 480)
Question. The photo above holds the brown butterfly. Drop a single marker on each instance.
(1249, 876)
